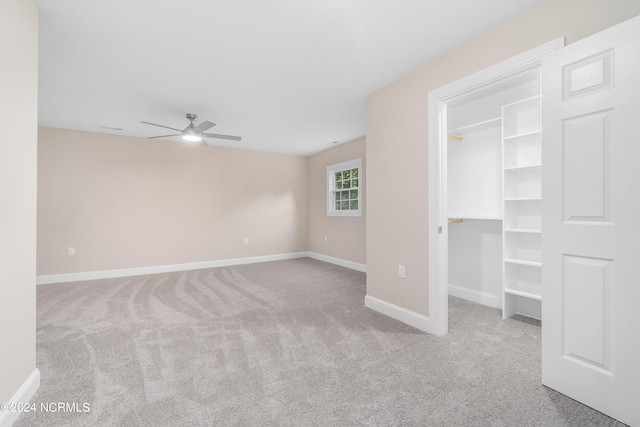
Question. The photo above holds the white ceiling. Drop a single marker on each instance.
(289, 76)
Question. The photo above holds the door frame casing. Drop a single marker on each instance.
(437, 162)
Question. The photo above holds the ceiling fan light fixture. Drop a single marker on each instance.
(193, 133)
(191, 136)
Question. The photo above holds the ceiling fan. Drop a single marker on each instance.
(193, 133)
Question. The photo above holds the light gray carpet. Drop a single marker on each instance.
(285, 343)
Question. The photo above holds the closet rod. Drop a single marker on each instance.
(455, 221)
(456, 138)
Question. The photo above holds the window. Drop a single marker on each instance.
(344, 194)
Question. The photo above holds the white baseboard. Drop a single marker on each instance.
(475, 296)
(22, 396)
(338, 261)
(409, 317)
(125, 272)
(138, 271)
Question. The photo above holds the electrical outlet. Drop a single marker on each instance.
(401, 271)
(246, 240)
(71, 250)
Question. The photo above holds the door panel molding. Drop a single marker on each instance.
(590, 218)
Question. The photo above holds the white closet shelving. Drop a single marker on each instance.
(494, 170)
(522, 189)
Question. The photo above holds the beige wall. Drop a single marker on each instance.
(345, 235)
(127, 202)
(18, 113)
(397, 176)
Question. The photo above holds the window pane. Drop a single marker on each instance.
(343, 188)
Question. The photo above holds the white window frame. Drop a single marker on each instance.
(331, 190)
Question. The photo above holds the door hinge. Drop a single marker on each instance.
(440, 229)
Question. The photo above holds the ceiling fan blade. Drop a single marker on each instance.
(167, 127)
(164, 136)
(203, 126)
(216, 135)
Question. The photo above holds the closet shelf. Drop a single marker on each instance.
(521, 135)
(519, 168)
(522, 230)
(523, 294)
(523, 262)
(521, 102)
(477, 127)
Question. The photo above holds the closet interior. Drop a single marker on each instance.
(494, 196)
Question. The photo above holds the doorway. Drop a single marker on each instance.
(451, 121)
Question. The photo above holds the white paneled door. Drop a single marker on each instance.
(591, 221)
